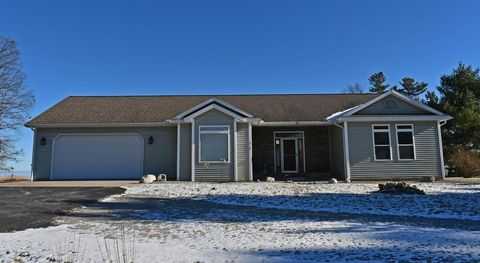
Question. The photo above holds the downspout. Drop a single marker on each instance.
(32, 165)
(440, 147)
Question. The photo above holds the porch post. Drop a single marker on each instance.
(250, 155)
(193, 150)
(178, 152)
(346, 153)
(235, 162)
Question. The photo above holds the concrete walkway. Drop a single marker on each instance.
(68, 184)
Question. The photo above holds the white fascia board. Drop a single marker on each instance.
(338, 114)
(209, 101)
(399, 96)
(215, 107)
(292, 123)
(102, 125)
(396, 118)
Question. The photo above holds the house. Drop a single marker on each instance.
(238, 137)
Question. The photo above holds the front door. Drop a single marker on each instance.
(289, 155)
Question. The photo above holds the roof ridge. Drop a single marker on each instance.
(215, 95)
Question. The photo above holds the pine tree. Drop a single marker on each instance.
(377, 80)
(412, 88)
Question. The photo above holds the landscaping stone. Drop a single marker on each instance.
(333, 181)
(148, 179)
(428, 179)
(399, 188)
(270, 179)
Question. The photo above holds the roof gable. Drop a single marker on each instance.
(391, 105)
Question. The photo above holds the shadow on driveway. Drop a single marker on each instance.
(32, 207)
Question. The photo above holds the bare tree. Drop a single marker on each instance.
(15, 100)
(354, 89)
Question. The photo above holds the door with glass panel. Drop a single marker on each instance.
(289, 155)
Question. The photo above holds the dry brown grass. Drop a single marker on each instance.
(8, 178)
(467, 164)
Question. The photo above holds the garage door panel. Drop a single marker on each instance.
(109, 156)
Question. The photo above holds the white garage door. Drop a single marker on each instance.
(94, 156)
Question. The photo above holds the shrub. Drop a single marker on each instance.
(466, 163)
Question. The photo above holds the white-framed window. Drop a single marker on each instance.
(214, 144)
(405, 142)
(382, 151)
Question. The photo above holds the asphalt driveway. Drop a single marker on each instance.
(32, 207)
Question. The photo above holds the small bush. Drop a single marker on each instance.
(466, 163)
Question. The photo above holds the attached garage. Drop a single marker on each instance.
(97, 156)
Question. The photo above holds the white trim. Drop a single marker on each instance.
(102, 125)
(250, 152)
(52, 161)
(440, 146)
(282, 155)
(291, 123)
(393, 118)
(215, 107)
(178, 151)
(212, 100)
(381, 145)
(413, 141)
(281, 159)
(192, 151)
(397, 95)
(346, 151)
(235, 161)
(34, 147)
(200, 161)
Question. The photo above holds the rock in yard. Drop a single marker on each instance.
(428, 179)
(399, 188)
(270, 179)
(333, 181)
(162, 178)
(148, 179)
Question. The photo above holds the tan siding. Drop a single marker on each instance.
(242, 152)
(160, 157)
(363, 166)
(215, 171)
(404, 108)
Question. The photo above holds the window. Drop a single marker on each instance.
(214, 144)
(381, 142)
(405, 144)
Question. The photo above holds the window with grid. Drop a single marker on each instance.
(381, 142)
(405, 142)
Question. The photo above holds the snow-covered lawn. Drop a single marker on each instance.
(189, 222)
(443, 200)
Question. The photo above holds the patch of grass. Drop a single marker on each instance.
(8, 178)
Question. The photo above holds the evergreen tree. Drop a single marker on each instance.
(412, 88)
(377, 80)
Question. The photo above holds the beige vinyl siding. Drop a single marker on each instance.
(242, 152)
(214, 172)
(404, 108)
(336, 152)
(159, 157)
(185, 152)
(363, 165)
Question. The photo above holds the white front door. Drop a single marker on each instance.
(289, 155)
(97, 156)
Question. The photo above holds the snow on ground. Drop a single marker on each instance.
(443, 200)
(206, 222)
(273, 241)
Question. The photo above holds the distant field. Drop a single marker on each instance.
(17, 176)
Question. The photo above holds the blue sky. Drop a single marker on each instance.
(219, 47)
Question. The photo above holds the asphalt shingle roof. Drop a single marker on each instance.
(148, 109)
